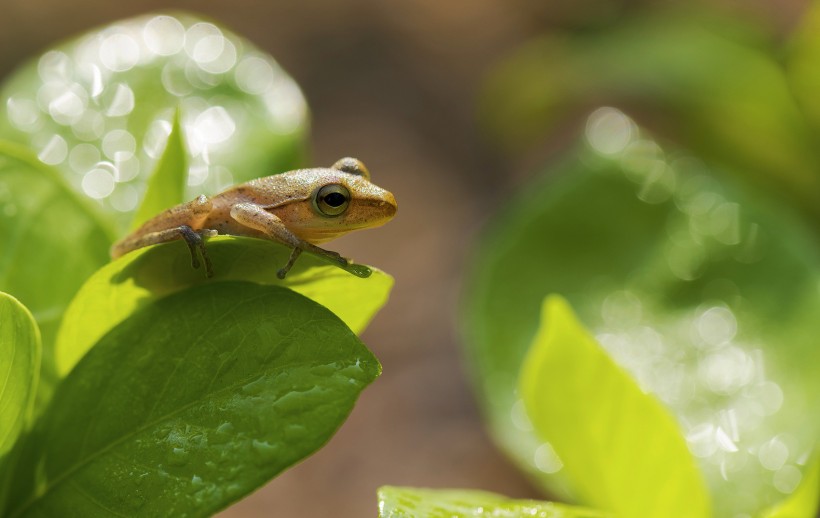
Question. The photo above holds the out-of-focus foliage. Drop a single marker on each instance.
(52, 240)
(715, 85)
(707, 296)
(620, 448)
(100, 107)
(697, 270)
(166, 185)
(805, 501)
(407, 502)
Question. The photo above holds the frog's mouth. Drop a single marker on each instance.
(332, 228)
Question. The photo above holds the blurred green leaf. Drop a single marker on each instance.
(805, 501)
(19, 370)
(622, 450)
(195, 401)
(714, 85)
(706, 295)
(52, 241)
(100, 107)
(803, 53)
(166, 185)
(141, 277)
(408, 502)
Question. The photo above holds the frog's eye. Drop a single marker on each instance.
(332, 200)
(352, 166)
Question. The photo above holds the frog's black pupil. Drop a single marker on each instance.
(335, 199)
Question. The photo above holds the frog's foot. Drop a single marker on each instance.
(332, 256)
(196, 241)
(285, 269)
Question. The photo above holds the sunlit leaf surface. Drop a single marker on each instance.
(100, 107)
(408, 502)
(19, 372)
(195, 401)
(621, 449)
(51, 242)
(140, 277)
(706, 296)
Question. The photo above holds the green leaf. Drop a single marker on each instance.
(100, 106)
(706, 295)
(166, 185)
(623, 452)
(52, 242)
(195, 401)
(714, 85)
(803, 53)
(140, 277)
(407, 502)
(19, 368)
(19, 372)
(805, 501)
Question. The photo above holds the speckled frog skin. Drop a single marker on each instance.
(300, 209)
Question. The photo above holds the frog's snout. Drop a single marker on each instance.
(388, 204)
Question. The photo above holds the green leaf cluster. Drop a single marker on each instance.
(687, 384)
(156, 391)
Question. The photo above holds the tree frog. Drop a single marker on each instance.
(300, 209)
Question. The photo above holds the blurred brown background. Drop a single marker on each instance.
(393, 83)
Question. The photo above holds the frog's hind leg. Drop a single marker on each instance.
(193, 238)
(192, 214)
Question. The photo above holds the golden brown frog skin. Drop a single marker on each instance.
(300, 209)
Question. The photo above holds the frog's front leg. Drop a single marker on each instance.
(255, 217)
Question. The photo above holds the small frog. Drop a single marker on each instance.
(300, 209)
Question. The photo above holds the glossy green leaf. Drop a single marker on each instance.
(410, 502)
(52, 242)
(166, 185)
(705, 295)
(805, 501)
(715, 85)
(623, 451)
(100, 108)
(140, 277)
(194, 401)
(19, 373)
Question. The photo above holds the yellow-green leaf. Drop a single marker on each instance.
(19, 372)
(410, 502)
(621, 448)
(132, 281)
